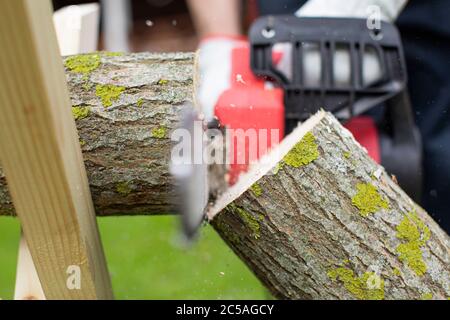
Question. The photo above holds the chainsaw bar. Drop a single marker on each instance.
(190, 172)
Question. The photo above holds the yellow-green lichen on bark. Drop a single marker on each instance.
(87, 86)
(159, 133)
(80, 112)
(303, 153)
(250, 220)
(163, 82)
(416, 234)
(226, 230)
(108, 93)
(368, 200)
(369, 286)
(427, 296)
(396, 272)
(278, 167)
(113, 54)
(123, 188)
(83, 63)
(140, 102)
(256, 189)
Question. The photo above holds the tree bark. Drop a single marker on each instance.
(328, 224)
(126, 141)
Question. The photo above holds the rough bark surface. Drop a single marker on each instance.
(336, 227)
(126, 107)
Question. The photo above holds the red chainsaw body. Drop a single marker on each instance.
(253, 112)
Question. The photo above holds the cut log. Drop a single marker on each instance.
(125, 109)
(318, 219)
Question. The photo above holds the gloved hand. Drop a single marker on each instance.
(228, 89)
(214, 66)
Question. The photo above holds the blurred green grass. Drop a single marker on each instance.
(146, 262)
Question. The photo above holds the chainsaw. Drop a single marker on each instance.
(377, 110)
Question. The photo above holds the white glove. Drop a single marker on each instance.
(389, 9)
(214, 66)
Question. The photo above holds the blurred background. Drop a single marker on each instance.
(144, 257)
(149, 25)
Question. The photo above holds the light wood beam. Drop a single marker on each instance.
(41, 157)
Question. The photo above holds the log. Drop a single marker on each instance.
(318, 219)
(125, 108)
(325, 223)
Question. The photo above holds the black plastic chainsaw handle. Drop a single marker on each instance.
(399, 136)
(327, 34)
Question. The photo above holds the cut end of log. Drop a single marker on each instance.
(317, 218)
(266, 165)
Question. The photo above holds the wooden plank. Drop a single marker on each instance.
(28, 286)
(77, 28)
(41, 157)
